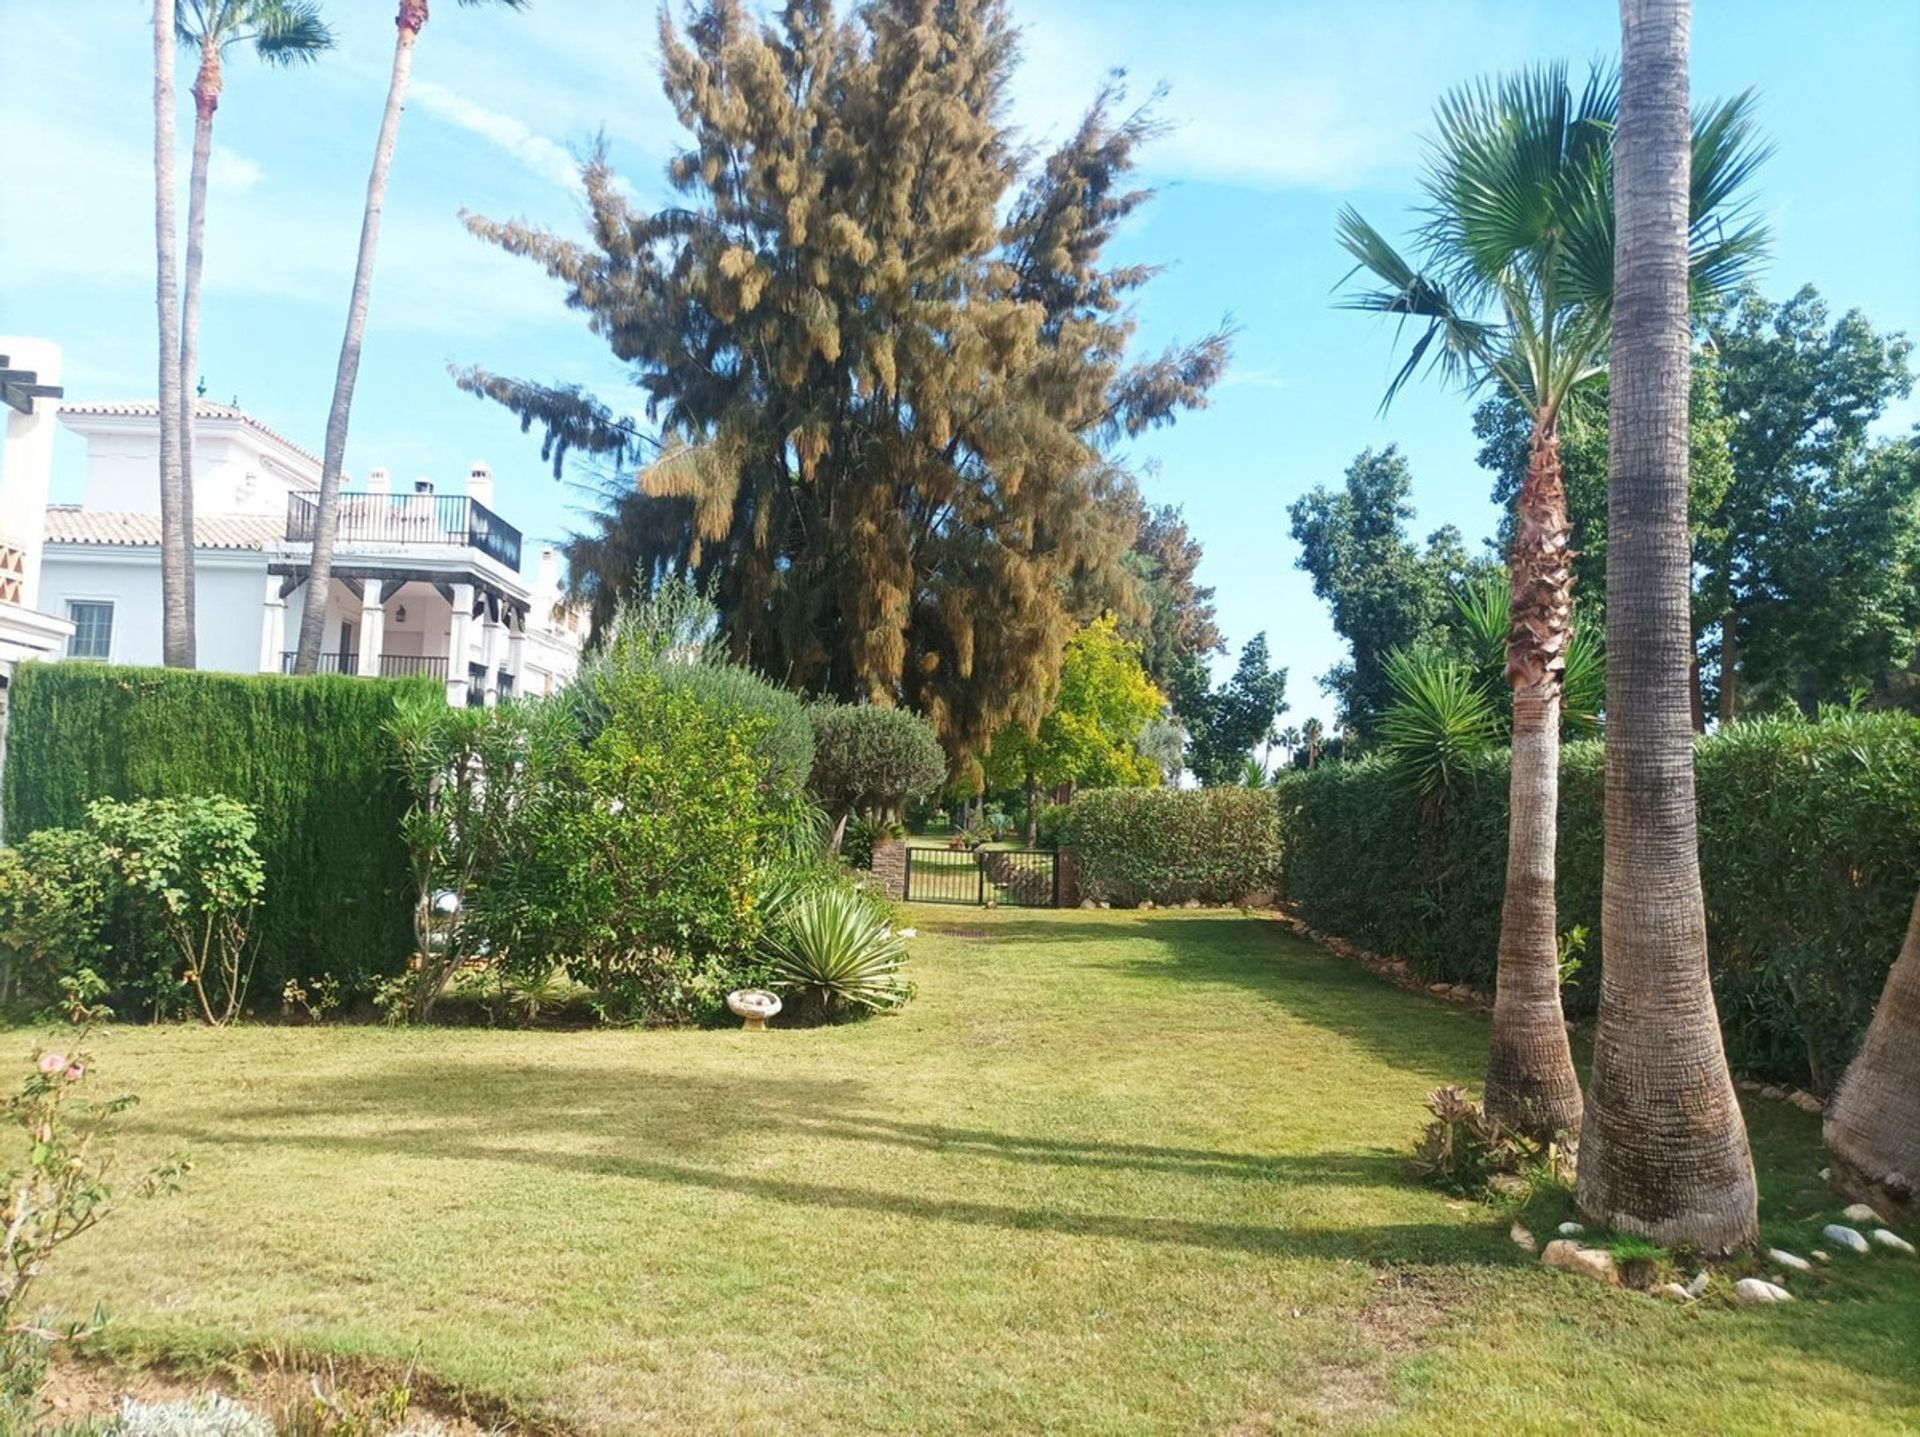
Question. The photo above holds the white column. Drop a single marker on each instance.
(29, 461)
(457, 640)
(490, 650)
(373, 629)
(273, 627)
(517, 650)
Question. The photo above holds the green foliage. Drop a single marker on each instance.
(869, 759)
(890, 351)
(1441, 719)
(308, 756)
(1810, 856)
(1386, 592)
(191, 863)
(1224, 725)
(474, 779)
(60, 1182)
(647, 855)
(1165, 845)
(1463, 1149)
(1090, 736)
(856, 848)
(55, 897)
(833, 955)
(1177, 622)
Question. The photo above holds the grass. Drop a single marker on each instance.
(1109, 1173)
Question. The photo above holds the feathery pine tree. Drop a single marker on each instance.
(886, 360)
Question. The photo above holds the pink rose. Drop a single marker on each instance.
(51, 1063)
(76, 1071)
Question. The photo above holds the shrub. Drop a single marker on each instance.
(1166, 845)
(54, 901)
(643, 874)
(307, 755)
(1809, 849)
(474, 778)
(861, 836)
(191, 865)
(1463, 1149)
(832, 955)
(1439, 721)
(872, 760)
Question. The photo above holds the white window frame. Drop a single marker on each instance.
(112, 607)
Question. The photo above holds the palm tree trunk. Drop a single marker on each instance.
(1873, 1125)
(176, 540)
(1664, 1151)
(206, 99)
(313, 614)
(1531, 1082)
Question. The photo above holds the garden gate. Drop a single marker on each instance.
(1015, 877)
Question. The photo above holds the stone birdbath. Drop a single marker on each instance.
(754, 1006)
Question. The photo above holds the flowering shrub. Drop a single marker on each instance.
(63, 1187)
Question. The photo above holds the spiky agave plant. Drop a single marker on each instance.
(832, 954)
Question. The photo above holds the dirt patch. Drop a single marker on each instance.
(277, 1387)
(1398, 1319)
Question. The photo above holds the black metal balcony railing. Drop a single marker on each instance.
(411, 519)
(392, 666)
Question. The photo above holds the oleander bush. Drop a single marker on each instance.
(1166, 845)
(308, 756)
(1809, 848)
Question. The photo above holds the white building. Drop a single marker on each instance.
(424, 582)
(29, 399)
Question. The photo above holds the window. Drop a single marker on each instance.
(92, 630)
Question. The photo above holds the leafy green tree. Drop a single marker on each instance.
(1514, 286)
(1225, 724)
(1091, 735)
(887, 363)
(1386, 591)
(871, 760)
(1812, 579)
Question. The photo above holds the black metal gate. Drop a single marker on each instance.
(1016, 877)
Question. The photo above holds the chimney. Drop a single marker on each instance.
(423, 485)
(378, 482)
(549, 571)
(480, 483)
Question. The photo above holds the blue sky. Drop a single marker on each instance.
(1281, 113)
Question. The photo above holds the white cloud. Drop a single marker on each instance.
(231, 171)
(1253, 377)
(536, 152)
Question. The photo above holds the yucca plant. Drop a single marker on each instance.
(1440, 719)
(1483, 610)
(833, 955)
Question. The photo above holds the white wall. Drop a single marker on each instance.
(228, 591)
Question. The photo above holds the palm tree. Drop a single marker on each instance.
(1516, 291)
(176, 540)
(409, 21)
(1310, 733)
(1290, 743)
(1873, 1123)
(1665, 1151)
(282, 32)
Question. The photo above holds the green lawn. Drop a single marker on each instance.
(1109, 1173)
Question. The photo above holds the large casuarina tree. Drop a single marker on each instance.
(1664, 1149)
(883, 351)
(1873, 1123)
(281, 32)
(410, 19)
(176, 537)
(1515, 287)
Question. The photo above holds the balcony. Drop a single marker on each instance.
(444, 519)
(392, 666)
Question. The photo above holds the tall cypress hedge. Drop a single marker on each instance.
(308, 754)
(1809, 852)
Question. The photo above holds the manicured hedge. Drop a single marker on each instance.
(307, 754)
(1164, 845)
(1810, 857)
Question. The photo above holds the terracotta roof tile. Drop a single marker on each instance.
(202, 409)
(69, 524)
